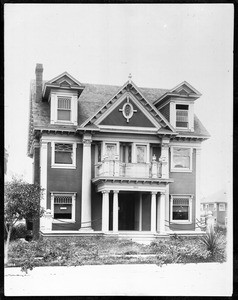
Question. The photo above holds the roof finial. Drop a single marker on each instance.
(129, 77)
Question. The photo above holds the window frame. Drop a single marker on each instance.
(68, 194)
(222, 205)
(177, 109)
(190, 215)
(62, 109)
(174, 169)
(59, 165)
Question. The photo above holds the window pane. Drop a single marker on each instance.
(141, 154)
(180, 212)
(181, 158)
(62, 207)
(63, 153)
(64, 115)
(111, 151)
(64, 103)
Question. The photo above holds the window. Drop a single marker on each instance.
(181, 209)
(125, 152)
(181, 159)
(63, 155)
(111, 151)
(141, 153)
(222, 207)
(215, 207)
(206, 206)
(181, 116)
(63, 206)
(64, 108)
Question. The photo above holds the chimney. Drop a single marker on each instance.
(39, 72)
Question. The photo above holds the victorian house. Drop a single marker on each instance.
(115, 160)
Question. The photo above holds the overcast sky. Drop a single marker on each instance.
(160, 45)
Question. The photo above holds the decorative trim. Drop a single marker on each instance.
(131, 112)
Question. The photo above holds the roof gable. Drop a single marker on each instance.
(64, 81)
(185, 88)
(132, 91)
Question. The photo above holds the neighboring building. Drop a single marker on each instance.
(217, 204)
(114, 159)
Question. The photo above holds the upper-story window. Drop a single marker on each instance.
(182, 116)
(181, 159)
(63, 108)
(63, 155)
(222, 207)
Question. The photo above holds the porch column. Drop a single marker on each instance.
(140, 213)
(86, 184)
(162, 213)
(115, 211)
(153, 212)
(105, 211)
(198, 185)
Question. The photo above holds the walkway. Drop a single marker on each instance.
(207, 279)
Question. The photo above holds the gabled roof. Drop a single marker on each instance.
(130, 87)
(92, 99)
(184, 90)
(64, 80)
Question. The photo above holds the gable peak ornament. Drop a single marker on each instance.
(129, 77)
(127, 110)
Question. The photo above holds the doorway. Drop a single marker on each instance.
(126, 217)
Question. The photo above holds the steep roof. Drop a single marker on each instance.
(93, 97)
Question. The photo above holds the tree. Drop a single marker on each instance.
(22, 201)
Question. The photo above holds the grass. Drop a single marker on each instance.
(101, 250)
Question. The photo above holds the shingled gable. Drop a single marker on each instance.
(184, 90)
(64, 80)
(133, 92)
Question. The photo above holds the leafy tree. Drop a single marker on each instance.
(22, 201)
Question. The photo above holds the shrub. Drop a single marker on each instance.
(19, 231)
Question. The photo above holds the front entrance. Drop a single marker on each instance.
(126, 216)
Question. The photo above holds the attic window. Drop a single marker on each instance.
(181, 116)
(64, 108)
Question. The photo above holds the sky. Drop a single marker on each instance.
(160, 45)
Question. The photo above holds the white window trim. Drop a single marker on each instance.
(190, 115)
(190, 197)
(63, 166)
(134, 156)
(54, 108)
(104, 147)
(61, 221)
(172, 169)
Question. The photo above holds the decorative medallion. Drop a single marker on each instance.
(127, 110)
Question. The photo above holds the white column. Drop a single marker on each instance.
(115, 211)
(164, 158)
(140, 213)
(86, 185)
(198, 186)
(162, 213)
(105, 211)
(153, 212)
(43, 180)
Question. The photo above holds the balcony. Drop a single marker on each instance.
(115, 168)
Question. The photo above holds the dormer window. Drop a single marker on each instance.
(182, 116)
(64, 108)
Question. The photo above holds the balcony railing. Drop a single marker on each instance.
(115, 168)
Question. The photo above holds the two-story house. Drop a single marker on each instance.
(115, 159)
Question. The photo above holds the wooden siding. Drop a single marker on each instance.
(165, 111)
(184, 183)
(116, 118)
(66, 180)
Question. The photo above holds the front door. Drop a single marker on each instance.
(126, 211)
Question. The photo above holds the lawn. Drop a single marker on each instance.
(101, 250)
